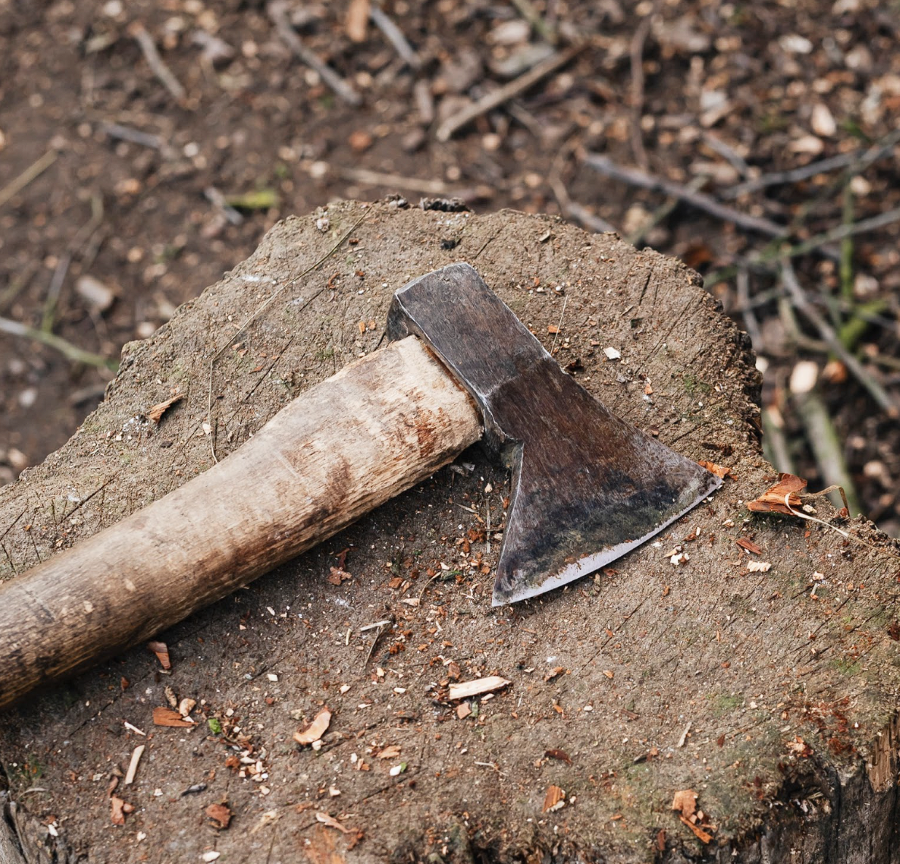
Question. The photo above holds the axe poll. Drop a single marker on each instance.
(586, 486)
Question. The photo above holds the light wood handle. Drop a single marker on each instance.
(340, 449)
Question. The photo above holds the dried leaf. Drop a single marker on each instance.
(718, 470)
(554, 799)
(155, 413)
(162, 653)
(685, 802)
(220, 815)
(556, 671)
(169, 717)
(337, 576)
(315, 730)
(391, 752)
(118, 810)
(772, 500)
(476, 687)
(331, 822)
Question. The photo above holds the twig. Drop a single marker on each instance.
(32, 172)
(826, 446)
(636, 54)
(727, 153)
(277, 10)
(395, 36)
(574, 211)
(133, 136)
(155, 62)
(859, 160)
(133, 765)
(17, 284)
(67, 349)
(496, 98)
(826, 331)
(882, 220)
(604, 165)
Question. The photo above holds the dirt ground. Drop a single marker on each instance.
(761, 681)
(135, 160)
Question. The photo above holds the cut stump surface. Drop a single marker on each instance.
(774, 702)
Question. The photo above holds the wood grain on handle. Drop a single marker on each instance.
(342, 448)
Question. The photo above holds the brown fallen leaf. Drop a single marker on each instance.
(685, 802)
(220, 816)
(390, 752)
(773, 499)
(558, 754)
(337, 576)
(718, 470)
(169, 717)
(155, 413)
(749, 545)
(331, 822)
(316, 729)
(161, 650)
(555, 672)
(554, 799)
(474, 688)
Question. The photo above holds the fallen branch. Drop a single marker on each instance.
(395, 36)
(67, 349)
(502, 94)
(155, 62)
(32, 172)
(277, 10)
(632, 176)
(828, 334)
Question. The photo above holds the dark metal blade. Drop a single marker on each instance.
(587, 487)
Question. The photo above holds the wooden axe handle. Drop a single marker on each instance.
(340, 449)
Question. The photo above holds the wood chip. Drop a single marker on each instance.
(155, 413)
(133, 765)
(169, 717)
(749, 545)
(702, 835)
(561, 755)
(772, 500)
(357, 20)
(718, 470)
(219, 815)
(473, 688)
(759, 566)
(554, 799)
(162, 653)
(337, 576)
(315, 730)
(331, 822)
(463, 710)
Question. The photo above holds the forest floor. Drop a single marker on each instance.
(146, 147)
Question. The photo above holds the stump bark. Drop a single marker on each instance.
(774, 702)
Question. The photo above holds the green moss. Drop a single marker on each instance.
(722, 703)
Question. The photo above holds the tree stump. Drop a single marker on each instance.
(767, 691)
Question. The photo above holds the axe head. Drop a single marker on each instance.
(587, 487)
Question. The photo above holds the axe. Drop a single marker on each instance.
(460, 367)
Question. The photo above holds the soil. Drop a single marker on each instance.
(134, 196)
(761, 681)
